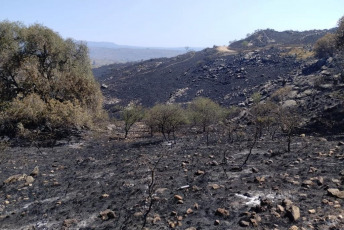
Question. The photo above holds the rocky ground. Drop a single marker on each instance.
(102, 182)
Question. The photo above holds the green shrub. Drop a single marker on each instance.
(45, 79)
(326, 46)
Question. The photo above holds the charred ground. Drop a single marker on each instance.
(99, 181)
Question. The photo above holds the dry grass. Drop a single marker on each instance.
(299, 52)
(225, 50)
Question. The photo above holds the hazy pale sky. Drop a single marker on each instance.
(171, 23)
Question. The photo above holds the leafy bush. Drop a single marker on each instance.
(325, 47)
(32, 112)
(45, 79)
(166, 118)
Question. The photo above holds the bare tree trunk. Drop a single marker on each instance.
(256, 135)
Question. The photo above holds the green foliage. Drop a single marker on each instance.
(326, 46)
(340, 34)
(244, 43)
(39, 66)
(205, 112)
(256, 97)
(166, 118)
(130, 115)
(32, 111)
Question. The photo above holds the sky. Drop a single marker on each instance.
(171, 23)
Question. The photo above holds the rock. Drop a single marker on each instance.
(178, 197)
(295, 212)
(15, 178)
(138, 214)
(107, 214)
(289, 103)
(67, 223)
(307, 183)
(35, 171)
(336, 193)
(287, 203)
(259, 179)
(311, 211)
(294, 227)
(199, 172)
(189, 211)
(191, 228)
(320, 180)
(222, 212)
(303, 135)
(105, 195)
(280, 208)
(29, 180)
(216, 222)
(215, 186)
(104, 86)
(244, 223)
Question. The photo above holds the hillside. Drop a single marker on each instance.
(238, 174)
(263, 38)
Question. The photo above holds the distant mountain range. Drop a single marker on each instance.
(104, 53)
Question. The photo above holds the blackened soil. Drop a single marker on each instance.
(138, 179)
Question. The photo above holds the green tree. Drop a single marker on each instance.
(204, 112)
(37, 61)
(130, 115)
(340, 34)
(166, 118)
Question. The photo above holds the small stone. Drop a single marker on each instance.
(307, 183)
(303, 135)
(172, 224)
(180, 202)
(191, 228)
(178, 197)
(196, 206)
(254, 222)
(105, 195)
(199, 172)
(138, 214)
(69, 222)
(259, 179)
(216, 222)
(222, 212)
(287, 203)
(311, 211)
(189, 211)
(35, 171)
(295, 212)
(294, 227)
(29, 180)
(244, 223)
(179, 218)
(7, 202)
(215, 186)
(280, 208)
(336, 193)
(156, 219)
(15, 178)
(107, 214)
